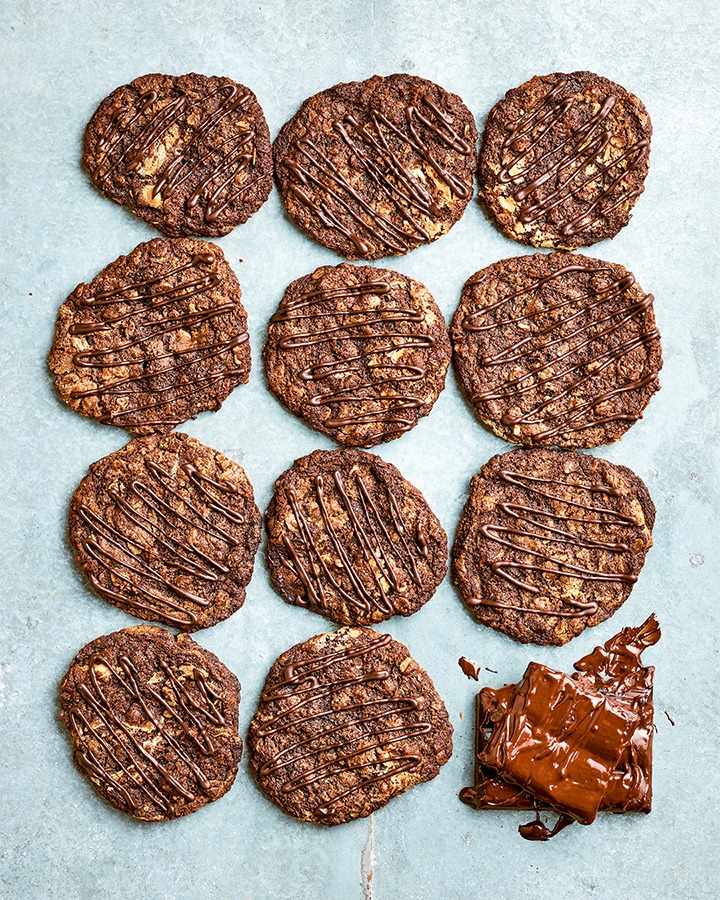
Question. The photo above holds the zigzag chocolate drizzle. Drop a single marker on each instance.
(147, 297)
(312, 170)
(385, 396)
(125, 761)
(235, 155)
(305, 694)
(150, 565)
(579, 150)
(585, 350)
(532, 532)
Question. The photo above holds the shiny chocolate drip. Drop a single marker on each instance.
(615, 669)
(175, 719)
(329, 749)
(586, 351)
(318, 183)
(144, 541)
(567, 159)
(532, 526)
(179, 313)
(386, 397)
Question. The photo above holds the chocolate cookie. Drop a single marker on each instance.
(360, 353)
(167, 529)
(154, 722)
(351, 539)
(376, 168)
(557, 349)
(550, 543)
(563, 160)
(157, 337)
(346, 722)
(191, 155)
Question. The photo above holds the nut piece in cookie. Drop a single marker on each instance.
(550, 543)
(191, 155)
(157, 337)
(167, 530)
(556, 349)
(359, 353)
(376, 168)
(563, 160)
(351, 539)
(154, 722)
(346, 721)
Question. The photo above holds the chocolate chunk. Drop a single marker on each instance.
(359, 353)
(191, 155)
(157, 337)
(614, 670)
(564, 159)
(154, 722)
(378, 167)
(167, 529)
(560, 741)
(346, 721)
(351, 539)
(550, 542)
(556, 350)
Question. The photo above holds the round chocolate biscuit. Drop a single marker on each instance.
(154, 722)
(191, 155)
(564, 159)
(357, 352)
(550, 542)
(157, 337)
(376, 168)
(167, 529)
(346, 721)
(557, 350)
(351, 539)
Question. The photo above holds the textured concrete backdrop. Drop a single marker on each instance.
(60, 58)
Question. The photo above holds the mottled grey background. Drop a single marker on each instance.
(60, 58)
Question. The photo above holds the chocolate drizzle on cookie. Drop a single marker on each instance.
(568, 160)
(192, 143)
(564, 158)
(154, 724)
(161, 540)
(550, 542)
(337, 726)
(366, 320)
(330, 748)
(533, 532)
(568, 357)
(376, 168)
(381, 539)
(155, 347)
(351, 539)
(370, 148)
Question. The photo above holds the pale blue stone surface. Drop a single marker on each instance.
(59, 59)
